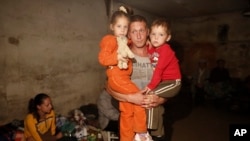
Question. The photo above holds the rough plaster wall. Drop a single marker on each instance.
(198, 38)
(51, 47)
(149, 16)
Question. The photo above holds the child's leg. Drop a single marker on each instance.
(157, 121)
(132, 119)
(168, 88)
(126, 121)
(152, 118)
(139, 119)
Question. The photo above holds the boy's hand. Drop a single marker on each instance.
(147, 90)
(148, 43)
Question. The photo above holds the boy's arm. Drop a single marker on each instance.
(165, 57)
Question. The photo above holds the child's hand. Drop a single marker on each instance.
(147, 90)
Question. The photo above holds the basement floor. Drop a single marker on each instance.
(201, 123)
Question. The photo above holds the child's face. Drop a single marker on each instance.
(158, 36)
(120, 27)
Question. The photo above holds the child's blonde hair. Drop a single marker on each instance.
(121, 12)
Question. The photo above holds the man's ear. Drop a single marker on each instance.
(128, 36)
(169, 37)
(147, 32)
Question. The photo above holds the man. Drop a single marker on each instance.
(142, 72)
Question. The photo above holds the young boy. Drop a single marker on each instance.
(166, 79)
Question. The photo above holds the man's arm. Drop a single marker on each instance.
(135, 98)
(146, 101)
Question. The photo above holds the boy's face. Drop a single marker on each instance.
(158, 36)
(138, 33)
(120, 27)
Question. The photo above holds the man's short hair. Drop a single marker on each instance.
(138, 18)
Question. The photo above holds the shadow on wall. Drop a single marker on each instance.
(178, 48)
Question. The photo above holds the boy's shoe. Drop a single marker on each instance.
(142, 137)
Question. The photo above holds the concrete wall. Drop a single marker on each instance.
(50, 46)
(149, 16)
(212, 37)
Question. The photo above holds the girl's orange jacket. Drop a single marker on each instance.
(108, 57)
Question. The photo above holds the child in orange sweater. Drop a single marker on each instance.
(132, 117)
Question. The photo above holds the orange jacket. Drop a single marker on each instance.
(108, 57)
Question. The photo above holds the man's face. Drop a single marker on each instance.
(138, 33)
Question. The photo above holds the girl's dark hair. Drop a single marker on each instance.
(121, 13)
(34, 102)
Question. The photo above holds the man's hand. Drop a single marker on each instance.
(135, 98)
(152, 101)
(138, 98)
